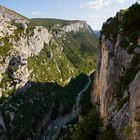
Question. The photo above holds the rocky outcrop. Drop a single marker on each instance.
(16, 62)
(77, 26)
(32, 45)
(9, 21)
(24, 40)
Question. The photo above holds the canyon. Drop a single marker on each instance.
(44, 64)
(60, 80)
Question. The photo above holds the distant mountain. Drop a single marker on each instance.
(97, 33)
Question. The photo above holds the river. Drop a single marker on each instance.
(54, 127)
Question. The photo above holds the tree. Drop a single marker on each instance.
(88, 128)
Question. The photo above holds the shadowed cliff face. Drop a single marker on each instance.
(116, 87)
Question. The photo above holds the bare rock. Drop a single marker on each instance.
(137, 50)
(135, 106)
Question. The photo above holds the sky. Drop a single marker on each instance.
(95, 12)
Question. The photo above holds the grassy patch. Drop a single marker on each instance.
(80, 49)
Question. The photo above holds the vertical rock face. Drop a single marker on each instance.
(110, 64)
(116, 87)
(135, 105)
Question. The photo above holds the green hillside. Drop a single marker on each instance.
(49, 22)
(70, 54)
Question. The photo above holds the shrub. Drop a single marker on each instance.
(131, 48)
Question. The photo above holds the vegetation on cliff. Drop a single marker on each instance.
(110, 28)
(127, 20)
(131, 22)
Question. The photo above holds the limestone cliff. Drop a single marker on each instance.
(116, 88)
(18, 42)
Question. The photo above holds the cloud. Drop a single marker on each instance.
(36, 13)
(97, 4)
(121, 1)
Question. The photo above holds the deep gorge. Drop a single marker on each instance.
(59, 81)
